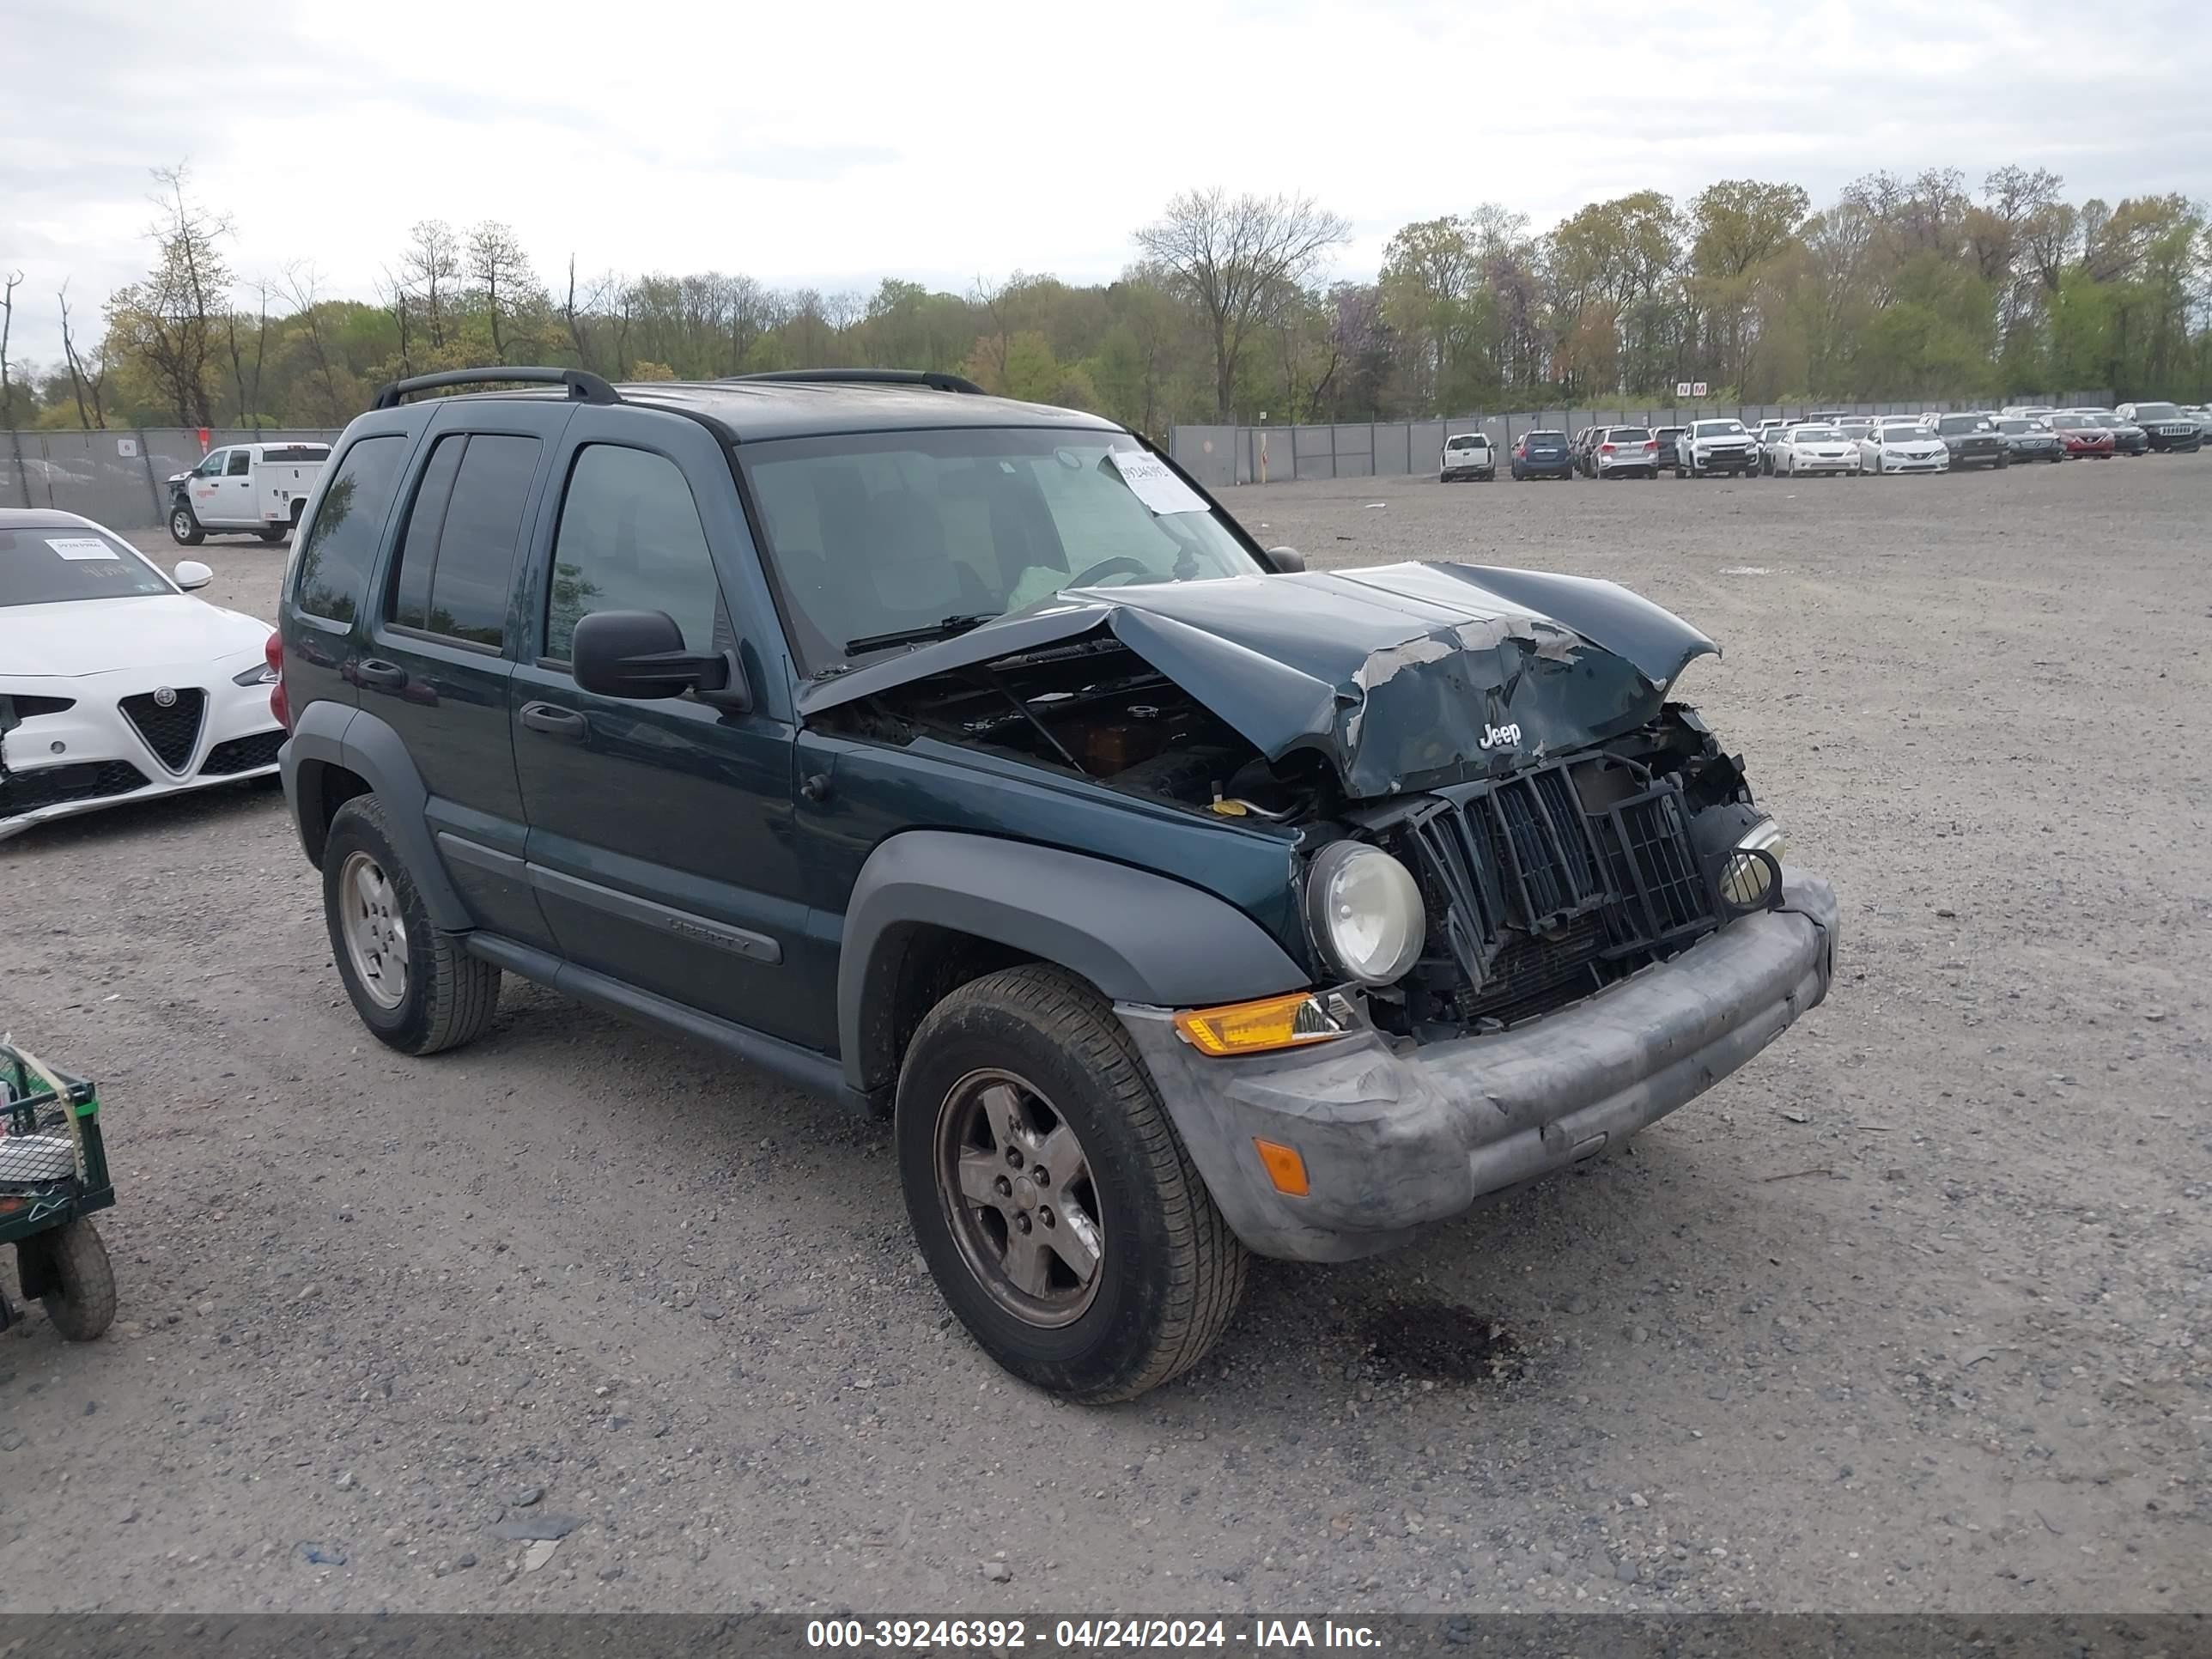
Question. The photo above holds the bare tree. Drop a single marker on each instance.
(576, 328)
(249, 398)
(9, 284)
(392, 291)
(430, 269)
(87, 376)
(168, 321)
(499, 270)
(301, 283)
(1230, 255)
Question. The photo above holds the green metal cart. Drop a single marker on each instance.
(53, 1175)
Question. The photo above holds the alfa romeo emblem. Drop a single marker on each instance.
(165, 697)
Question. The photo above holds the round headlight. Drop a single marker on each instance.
(1365, 912)
(1745, 881)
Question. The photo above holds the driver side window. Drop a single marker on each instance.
(212, 466)
(630, 539)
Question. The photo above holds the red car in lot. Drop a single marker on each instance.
(2082, 440)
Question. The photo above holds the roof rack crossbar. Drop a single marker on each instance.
(583, 385)
(935, 380)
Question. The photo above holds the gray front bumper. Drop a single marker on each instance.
(1394, 1134)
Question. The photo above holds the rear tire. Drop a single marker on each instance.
(413, 985)
(273, 533)
(184, 527)
(77, 1281)
(1025, 1060)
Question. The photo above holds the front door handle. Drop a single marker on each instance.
(553, 722)
(379, 675)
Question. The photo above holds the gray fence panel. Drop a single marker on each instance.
(1208, 453)
(89, 474)
(1315, 456)
(1355, 455)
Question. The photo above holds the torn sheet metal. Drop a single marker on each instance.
(1399, 676)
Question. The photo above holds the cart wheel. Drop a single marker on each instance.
(76, 1285)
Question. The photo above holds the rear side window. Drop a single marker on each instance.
(241, 462)
(341, 543)
(476, 554)
(630, 539)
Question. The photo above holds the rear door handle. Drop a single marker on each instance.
(555, 722)
(380, 675)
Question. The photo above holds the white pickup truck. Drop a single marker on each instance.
(256, 487)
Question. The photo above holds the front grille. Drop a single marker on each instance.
(1662, 893)
(1535, 901)
(170, 732)
(242, 755)
(57, 786)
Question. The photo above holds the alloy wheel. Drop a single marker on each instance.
(375, 931)
(1017, 1188)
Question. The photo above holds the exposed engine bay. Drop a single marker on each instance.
(1542, 881)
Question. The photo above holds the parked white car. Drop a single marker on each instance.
(115, 683)
(1807, 449)
(1708, 448)
(1903, 446)
(256, 488)
(1466, 455)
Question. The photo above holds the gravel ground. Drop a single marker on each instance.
(1912, 1314)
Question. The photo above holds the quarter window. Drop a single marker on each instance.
(341, 543)
(457, 561)
(630, 539)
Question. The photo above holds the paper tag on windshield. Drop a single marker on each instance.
(1154, 484)
(81, 546)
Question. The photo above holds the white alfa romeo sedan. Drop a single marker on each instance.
(115, 683)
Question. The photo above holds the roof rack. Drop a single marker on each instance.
(583, 385)
(933, 378)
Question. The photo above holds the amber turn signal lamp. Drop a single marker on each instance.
(1285, 1167)
(1251, 1028)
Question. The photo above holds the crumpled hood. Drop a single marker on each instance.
(1400, 675)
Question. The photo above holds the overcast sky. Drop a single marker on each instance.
(834, 144)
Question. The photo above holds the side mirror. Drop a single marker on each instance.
(1287, 560)
(190, 573)
(640, 654)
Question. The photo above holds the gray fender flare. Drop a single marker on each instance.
(1136, 936)
(332, 734)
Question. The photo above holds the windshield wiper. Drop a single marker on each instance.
(950, 627)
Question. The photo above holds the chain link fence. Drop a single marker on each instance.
(1218, 456)
(118, 478)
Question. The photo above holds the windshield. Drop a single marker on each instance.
(1816, 435)
(1719, 429)
(877, 533)
(50, 564)
(1962, 424)
(2011, 425)
(1903, 435)
(2157, 412)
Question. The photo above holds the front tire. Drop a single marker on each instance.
(273, 533)
(1052, 1199)
(413, 985)
(184, 527)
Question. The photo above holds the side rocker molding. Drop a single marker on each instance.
(334, 735)
(1137, 937)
